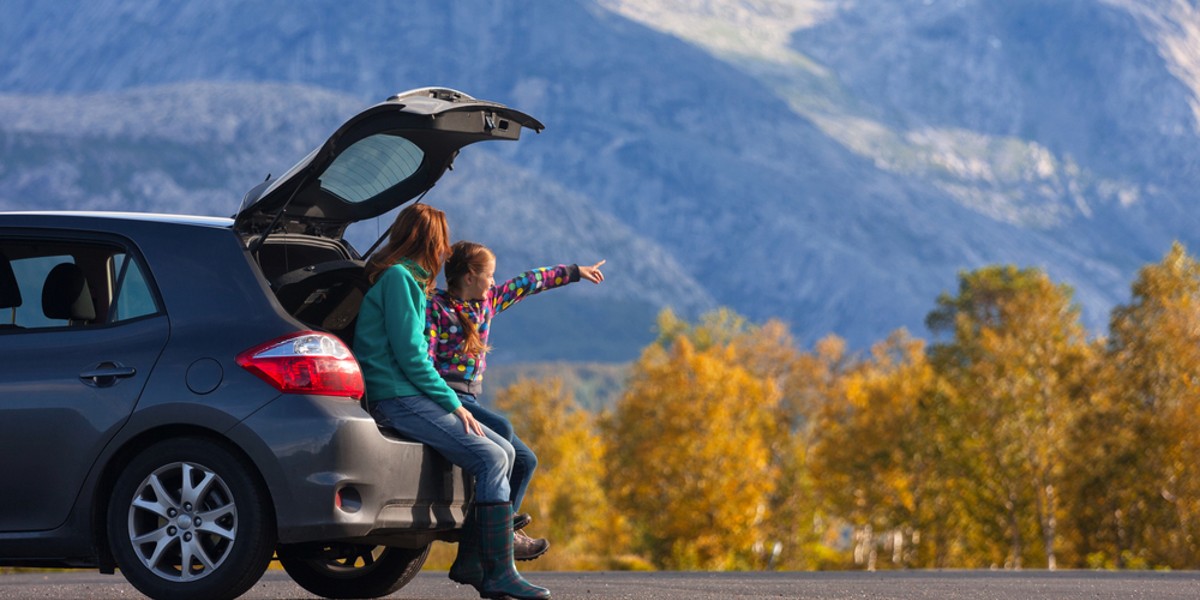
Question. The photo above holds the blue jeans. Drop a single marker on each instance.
(525, 461)
(488, 459)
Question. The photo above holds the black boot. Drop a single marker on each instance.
(500, 576)
(467, 568)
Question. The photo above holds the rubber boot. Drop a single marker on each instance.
(467, 568)
(500, 576)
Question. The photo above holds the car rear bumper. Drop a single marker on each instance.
(334, 475)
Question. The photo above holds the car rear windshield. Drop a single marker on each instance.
(371, 166)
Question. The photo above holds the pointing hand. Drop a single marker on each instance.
(592, 273)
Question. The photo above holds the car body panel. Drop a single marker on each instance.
(323, 444)
(43, 474)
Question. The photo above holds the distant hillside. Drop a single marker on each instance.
(830, 163)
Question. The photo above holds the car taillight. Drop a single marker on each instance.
(308, 362)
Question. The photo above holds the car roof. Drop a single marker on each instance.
(194, 220)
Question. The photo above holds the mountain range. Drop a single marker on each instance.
(833, 164)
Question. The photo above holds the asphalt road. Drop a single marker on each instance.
(939, 585)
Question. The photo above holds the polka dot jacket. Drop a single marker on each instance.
(446, 339)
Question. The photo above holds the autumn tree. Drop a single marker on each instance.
(794, 528)
(690, 461)
(1150, 412)
(874, 461)
(1015, 358)
(1115, 459)
(804, 531)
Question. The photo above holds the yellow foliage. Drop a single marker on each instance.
(872, 452)
(566, 497)
(1152, 404)
(690, 456)
(1016, 363)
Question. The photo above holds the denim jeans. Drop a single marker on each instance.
(488, 459)
(525, 461)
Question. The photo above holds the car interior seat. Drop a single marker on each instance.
(10, 293)
(66, 295)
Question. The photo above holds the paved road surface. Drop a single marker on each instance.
(931, 585)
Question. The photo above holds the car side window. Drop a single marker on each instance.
(132, 296)
(53, 283)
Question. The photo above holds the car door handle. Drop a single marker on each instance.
(106, 374)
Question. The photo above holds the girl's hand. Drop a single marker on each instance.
(592, 273)
(472, 426)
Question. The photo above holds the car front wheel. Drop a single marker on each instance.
(352, 570)
(188, 519)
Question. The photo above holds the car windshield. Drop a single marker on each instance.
(371, 166)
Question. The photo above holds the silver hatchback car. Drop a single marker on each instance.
(178, 399)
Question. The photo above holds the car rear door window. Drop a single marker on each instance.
(31, 275)
(132, 296)
(114, 286)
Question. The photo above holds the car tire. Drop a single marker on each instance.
(353, 570)
(190, 500)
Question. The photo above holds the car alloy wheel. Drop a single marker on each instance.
(183, 521)
(188, 518)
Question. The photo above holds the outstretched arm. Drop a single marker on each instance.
(532, 282)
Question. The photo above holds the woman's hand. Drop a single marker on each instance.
(472, 426)
(592, 273)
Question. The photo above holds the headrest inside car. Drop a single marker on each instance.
(66, 295)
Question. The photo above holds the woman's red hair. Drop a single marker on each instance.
(420, 235)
